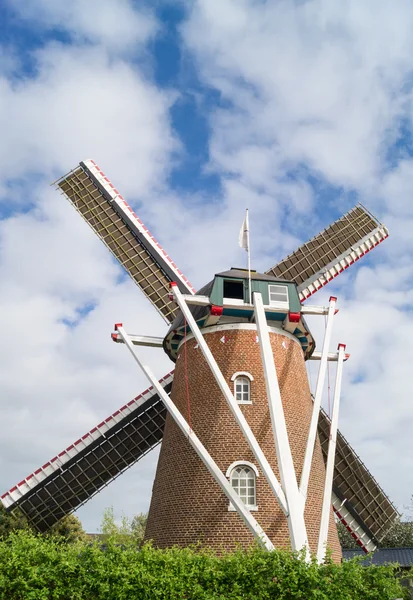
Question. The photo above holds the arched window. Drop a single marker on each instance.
(242, 387)
(243, 477)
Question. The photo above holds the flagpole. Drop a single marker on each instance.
(249, 259)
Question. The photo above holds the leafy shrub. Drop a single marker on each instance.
(44, 568)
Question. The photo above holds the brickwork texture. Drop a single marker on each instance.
(188, 507)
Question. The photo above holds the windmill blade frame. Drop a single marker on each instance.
(326, 255)
(99, 203)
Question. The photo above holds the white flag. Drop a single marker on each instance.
(243, 238)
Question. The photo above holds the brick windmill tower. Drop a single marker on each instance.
(246, 452)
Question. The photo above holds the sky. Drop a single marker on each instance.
(196, 110)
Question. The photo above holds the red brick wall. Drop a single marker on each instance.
(187, 505)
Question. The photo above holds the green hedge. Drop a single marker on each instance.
(37, 568)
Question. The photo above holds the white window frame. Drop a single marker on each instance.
(242, 375)
(228, 474)
(278, 303)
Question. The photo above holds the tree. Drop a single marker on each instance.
(127, 530)
(11, 521)
(69, 529)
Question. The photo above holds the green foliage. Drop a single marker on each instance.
(69, 529)
(34, 567)
(400, 535)
(11, 521)
(126, 530)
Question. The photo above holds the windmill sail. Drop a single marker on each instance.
(79, 472)
(112, 219)
(329, 253)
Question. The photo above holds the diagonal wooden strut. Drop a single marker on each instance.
(309, 451)
(296, 523)
(328, 486)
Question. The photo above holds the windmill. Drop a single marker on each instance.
(186, 505)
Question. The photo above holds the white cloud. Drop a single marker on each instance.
(322, 82)
(117, 24)
(82, 105)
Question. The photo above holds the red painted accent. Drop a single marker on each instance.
(341, 346)
(21, 483)
(114, 337)
(115, 327)
(359, 542)
(333, 299)
(336, 311)
(348, 356)
(294, 317)
(29, 477)
(216, 311)
(173, 284)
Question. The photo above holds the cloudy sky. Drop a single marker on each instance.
(197, 110)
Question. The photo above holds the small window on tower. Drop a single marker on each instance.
(278, 294)
(233, 289)
(242, 390)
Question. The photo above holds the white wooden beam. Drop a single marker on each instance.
(308, 458)
(331, 356)
(331, 455)
(140, 340)
(296, 523)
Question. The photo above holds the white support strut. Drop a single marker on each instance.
(331, 356)
(331, 454)
(229, 397)
(200, 449)
(296, 523)
(308, 458)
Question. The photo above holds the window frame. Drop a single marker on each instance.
(245, 376)
(278, 303)
(239, 301)
(254, 470)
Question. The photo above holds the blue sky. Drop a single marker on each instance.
(197, 110)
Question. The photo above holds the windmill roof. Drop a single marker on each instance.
(243, 274)
(383, 556)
